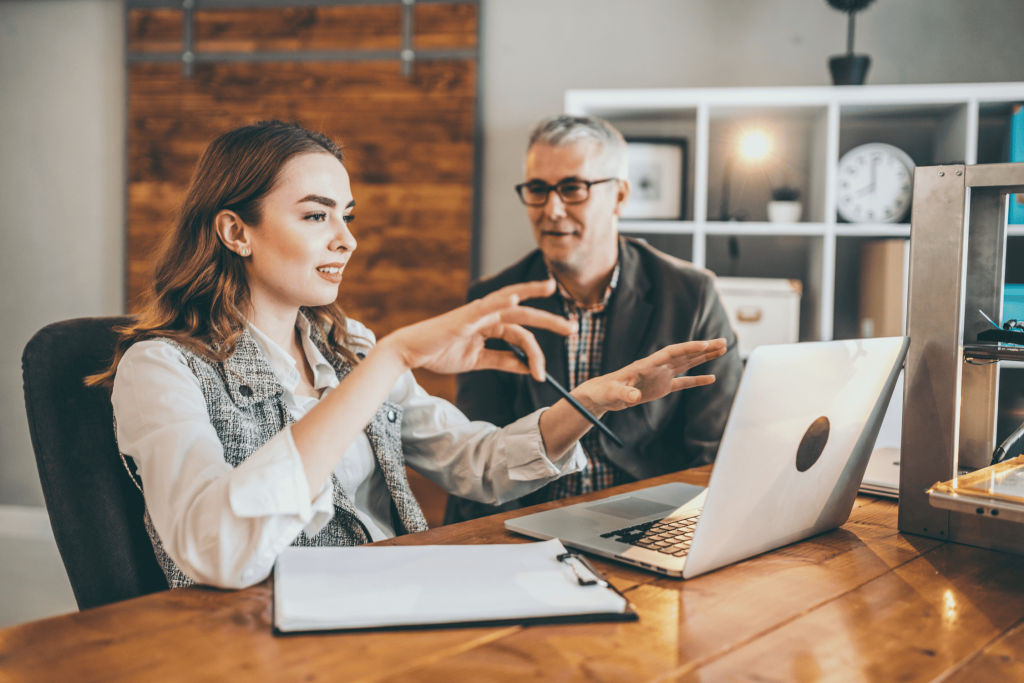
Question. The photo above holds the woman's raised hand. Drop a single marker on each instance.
(650, 378)
(454, 342)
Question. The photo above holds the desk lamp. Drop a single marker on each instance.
(753, 146)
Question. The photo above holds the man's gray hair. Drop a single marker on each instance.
(564, 129)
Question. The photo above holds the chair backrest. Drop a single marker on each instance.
(95, 509)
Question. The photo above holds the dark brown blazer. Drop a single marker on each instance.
(660, 300)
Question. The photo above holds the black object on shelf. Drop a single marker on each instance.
(849, 69)
(1011, 336)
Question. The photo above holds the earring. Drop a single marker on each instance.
(244, 251)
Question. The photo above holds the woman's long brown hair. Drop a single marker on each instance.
(199, 291)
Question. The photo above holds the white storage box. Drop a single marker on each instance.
(761, 310)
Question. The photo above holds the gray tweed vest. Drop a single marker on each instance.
(243, 399)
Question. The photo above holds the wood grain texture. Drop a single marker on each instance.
(445, 25)
(392, 128)
(291, 29)
(862, 603)
(911, 624)
(154, 30)
(1002, 660)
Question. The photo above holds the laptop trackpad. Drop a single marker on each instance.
(631, 508)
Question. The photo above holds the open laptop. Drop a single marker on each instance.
(882, 477)
(791, 460)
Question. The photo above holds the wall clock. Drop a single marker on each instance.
(874, 184)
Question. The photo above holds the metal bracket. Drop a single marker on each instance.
(187, 41)
(407, 53)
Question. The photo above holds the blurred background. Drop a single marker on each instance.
(106, 104)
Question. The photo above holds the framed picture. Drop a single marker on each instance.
(657, 175)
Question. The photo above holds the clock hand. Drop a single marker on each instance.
(868, 189)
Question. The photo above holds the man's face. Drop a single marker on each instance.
(573, 236)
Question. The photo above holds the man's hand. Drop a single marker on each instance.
(650, 378)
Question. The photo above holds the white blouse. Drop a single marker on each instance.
(225, 525)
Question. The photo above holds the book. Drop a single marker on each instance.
(883, 287)
(386, 587)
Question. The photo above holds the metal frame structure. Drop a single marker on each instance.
(189, 56)
(957, 260)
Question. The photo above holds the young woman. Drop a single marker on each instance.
(258, 416)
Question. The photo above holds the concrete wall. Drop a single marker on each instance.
(62, 160)
(535, 50)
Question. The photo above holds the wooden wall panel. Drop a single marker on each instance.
(445, 25)
(154, 30)
(392, 128)
(352, 27)
(408, 143)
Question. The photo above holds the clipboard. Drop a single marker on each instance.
(385, 588)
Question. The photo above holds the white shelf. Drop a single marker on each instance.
(935, 123)
(654, 100)
(658, 227)
(872, 230)
(752, 228)
(719, 228)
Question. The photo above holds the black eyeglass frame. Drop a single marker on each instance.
(548, 188)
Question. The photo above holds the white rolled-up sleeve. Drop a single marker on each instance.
(476, 460)
(221, 525)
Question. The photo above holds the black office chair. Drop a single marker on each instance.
(95, 509)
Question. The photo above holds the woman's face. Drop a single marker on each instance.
(302, 244)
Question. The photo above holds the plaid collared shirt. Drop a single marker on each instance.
(584, 349)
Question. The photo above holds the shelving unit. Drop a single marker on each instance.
(811, 128)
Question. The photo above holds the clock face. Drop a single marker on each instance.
(874, 184)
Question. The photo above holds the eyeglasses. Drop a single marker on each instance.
(572, 191)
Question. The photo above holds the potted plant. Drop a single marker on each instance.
(849, 69)
(785, 206)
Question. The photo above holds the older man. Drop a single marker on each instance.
(627, 299)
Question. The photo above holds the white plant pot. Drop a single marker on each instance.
(785, 212)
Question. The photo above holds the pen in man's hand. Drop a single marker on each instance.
(521, 355)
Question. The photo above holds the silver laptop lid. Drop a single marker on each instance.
(798, 439)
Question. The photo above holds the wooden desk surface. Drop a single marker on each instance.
(862, 603)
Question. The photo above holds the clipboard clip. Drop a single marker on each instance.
(571, 559)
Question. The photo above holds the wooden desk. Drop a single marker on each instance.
(862, 603)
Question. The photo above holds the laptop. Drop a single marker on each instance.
(795, 447)
(882, 477)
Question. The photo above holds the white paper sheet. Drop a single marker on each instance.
(366, 587)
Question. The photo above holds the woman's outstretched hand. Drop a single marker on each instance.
(650, 378)
(454, 342)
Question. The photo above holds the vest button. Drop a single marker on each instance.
(245, 391)
(392, 416)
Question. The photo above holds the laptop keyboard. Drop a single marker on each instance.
(670, 537)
